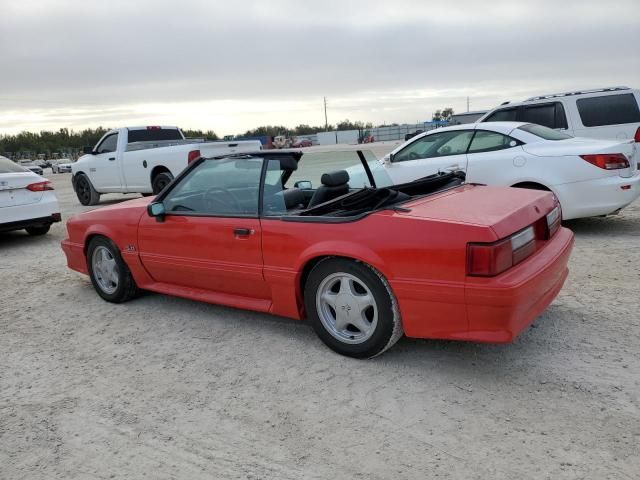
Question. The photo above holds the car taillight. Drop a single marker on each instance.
(637, 135)
(154, 127)
(193, 155)
(554, 219)
(40, 186)
(607, 161)
(490, 259)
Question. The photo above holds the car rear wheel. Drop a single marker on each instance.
(160, 181)
(87, 195)
(39, 230)
(351, 308)
(109, 274)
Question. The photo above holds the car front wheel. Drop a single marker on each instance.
(352, 308)
(109, 274)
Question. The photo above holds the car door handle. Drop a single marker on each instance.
(112, 159)
(243, 232)
(452, 168)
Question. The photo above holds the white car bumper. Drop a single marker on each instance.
(44, 212)
(602, 196)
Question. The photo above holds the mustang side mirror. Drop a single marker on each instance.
(87, 150)
(388, 159)
(156, 209)
(303, 185)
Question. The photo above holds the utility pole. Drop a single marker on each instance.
(326, 122)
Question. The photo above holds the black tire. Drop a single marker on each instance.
(126, 288)
(388, 326)
(160, 181)
(87, 195)
(39, 230)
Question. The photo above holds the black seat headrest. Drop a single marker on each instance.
(288, 163)
(293, 197)
(334, 179)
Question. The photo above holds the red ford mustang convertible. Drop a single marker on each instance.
(363, 260)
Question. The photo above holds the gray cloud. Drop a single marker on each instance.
(371, 58)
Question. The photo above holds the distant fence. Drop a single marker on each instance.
(379, 134)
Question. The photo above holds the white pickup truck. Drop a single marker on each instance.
(142, 160)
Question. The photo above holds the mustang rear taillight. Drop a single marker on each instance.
(490, 259)
(193, 155)
(607, 161)
(554, 219)
(40, 186)
(636, 138)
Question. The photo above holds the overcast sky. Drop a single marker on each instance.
(233, 65)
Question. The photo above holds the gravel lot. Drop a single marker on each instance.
(169, 388)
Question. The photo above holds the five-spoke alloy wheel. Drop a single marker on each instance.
(351, 307)
(109, 274)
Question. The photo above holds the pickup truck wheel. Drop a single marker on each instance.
(85, 191)
(35, 231)
(109, 274)
(160, 181)
(351, 307)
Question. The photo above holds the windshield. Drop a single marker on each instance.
(544, 132)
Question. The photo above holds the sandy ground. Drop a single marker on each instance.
(168, 388)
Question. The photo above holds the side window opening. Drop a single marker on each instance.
(442, 144)
(503, 115)
(485, 141)
(109, 144)
(541, 114)
(608, 110)
(227, 187)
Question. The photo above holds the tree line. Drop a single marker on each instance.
(70, 142)
(305, 129)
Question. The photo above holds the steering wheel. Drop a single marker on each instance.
(413, 156)
(220, 199)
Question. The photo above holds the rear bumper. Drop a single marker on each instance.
(75, 256)
(32, 222)
(500, 308)
(602, 196)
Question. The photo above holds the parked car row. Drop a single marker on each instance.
(431, 241)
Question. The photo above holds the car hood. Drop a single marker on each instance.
(504, 209)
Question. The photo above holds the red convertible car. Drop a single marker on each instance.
(363, 260)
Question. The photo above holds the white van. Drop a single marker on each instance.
(609, 113)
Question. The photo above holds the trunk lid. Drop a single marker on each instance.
(505, 210)
(13, 191)
(588, 146)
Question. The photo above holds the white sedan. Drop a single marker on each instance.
(589, 177)
(27, 200)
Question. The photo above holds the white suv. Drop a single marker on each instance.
(611, 112)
